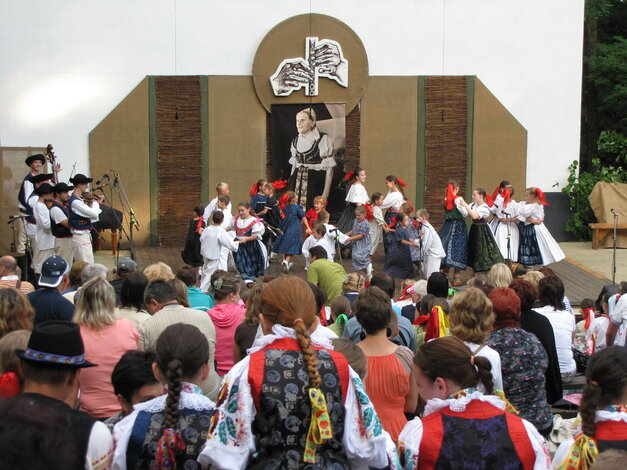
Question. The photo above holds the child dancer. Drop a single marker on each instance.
(505, 233)
(483, 252)
(331, 233)
(290, 241)
(360, 236)
(453, 233)
(317, 238)
(191, 252)
(430, 245)
(251, 257)
(319, 204)
(537, 246)
(392, 202)
(356, 196)
(258, 198)
(398, 258)
(377, 224)
(222, 188)
(272, 217)
(215, 246)
(223, 205)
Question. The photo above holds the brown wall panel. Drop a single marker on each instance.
(388, 132)
(237, 136)
(499, 144)
(446, 114)
(120, 142)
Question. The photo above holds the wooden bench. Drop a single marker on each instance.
(600, 231)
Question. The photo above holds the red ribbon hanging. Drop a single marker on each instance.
(401, 182)
(254, 189)
(450, 197)
(392, 222)
(168, 447)
(507, 197)
(283, 202)
(369, 213)
(589, 316)
(496, 192)
(349, 176)
(279, 184)
(433, 325)
(201, 221)
(541, 197)
(489, 201)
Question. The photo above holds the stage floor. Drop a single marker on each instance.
(580, 281)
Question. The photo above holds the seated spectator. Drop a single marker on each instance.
(548, 272)
(181, 291)
(351, 286)
(471, 320)
(423, 310)
(540, 326)
(227, 314)
(586, 308)
(161, 303)
(169, 430)
(132, 298)
(437, 285)
(459, 425)
(416, 292)
(124, 267)
(11, 377)
(246, 332)
(133, 382)
(533, 277)
(106, 340)
(319, 331)
(9, 277)
(90, 271)
(618, 318)
(597, 331)
(327, 275)
(48, 303)
(551, 295)
(16, 312)
(481, 282)
(197, 298)
(340, 313)
(523, 361)
(500, 275)
(52, 434)
(158, 272)
(353, 354)
(390, 384)
(74, 277)
(603, 414)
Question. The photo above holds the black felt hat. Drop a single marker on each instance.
(41, 177)
(56, 343)
(45, 188)
(33, 158)
(62, 188)
(80, 179)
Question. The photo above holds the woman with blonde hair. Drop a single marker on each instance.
(293, 402)
(500, 275)
(106, 338)
(471, 320)
(158, 272)
(16, 312)
(533, 278)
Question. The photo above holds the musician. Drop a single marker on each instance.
(36, 163)
(30, 222)
(60, 224)
(43, 227)
(80, 218)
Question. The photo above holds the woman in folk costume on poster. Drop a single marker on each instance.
(393, 201)
(312, 160)
(483, 252)
(603, 411)
(461, 425)
(505, 232)
(293, 402)
(357, 196)
(453, 233)
(251, 257)
(537, 246)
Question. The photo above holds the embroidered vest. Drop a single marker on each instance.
(77, 222)
(59, 230)
(244, 231)
(482, 434)
(30, 212)
(279, 381)
(311, 156)
(23, 197)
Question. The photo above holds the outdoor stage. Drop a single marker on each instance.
(580, 281)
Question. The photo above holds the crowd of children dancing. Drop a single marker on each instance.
(269, 227)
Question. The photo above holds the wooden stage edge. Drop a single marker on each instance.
(580, 282)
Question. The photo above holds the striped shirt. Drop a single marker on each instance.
(11, 281)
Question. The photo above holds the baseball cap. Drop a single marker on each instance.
(52, 271)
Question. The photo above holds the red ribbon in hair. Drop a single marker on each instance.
(401, 182)
(589, 316)
(541, 197)
(450, 197)
(168, 446)
(201, 221)
(366, 284)
(279, 184)
(349, 176)
(507, 197)
(411, 207)
(489, 200)
(369, 213)
(282, 202)
(9, 385)
(496, 192)
(407, 292)
(254, 189)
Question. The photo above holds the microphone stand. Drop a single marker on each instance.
(614, 248)
(126, 205)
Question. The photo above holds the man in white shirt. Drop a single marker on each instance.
(80, 218)
(60, 224)
(43, 232)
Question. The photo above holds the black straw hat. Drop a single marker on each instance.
(45, 188)
(41, 177)
(33, 158)
(80, 179)
(62, 188)
(56, 343)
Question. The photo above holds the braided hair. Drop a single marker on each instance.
(606, 378)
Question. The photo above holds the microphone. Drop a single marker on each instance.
(614, 212)
(104, 177)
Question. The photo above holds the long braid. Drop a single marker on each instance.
(311, 359)
(174, 377)
(590, 398)
(484, 371)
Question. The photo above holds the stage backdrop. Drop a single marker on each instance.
(330, 120)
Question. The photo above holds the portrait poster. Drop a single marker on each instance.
(310, 159)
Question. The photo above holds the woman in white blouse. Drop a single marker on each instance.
(392, 203)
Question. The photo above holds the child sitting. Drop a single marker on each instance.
(340, 313)
(353, 283)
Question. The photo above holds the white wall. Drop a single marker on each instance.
(64, 64)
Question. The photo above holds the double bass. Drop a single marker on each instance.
(56, 167)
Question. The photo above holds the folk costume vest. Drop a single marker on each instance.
(77, 222)
(59, 230)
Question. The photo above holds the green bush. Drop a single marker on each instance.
(579, 187)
